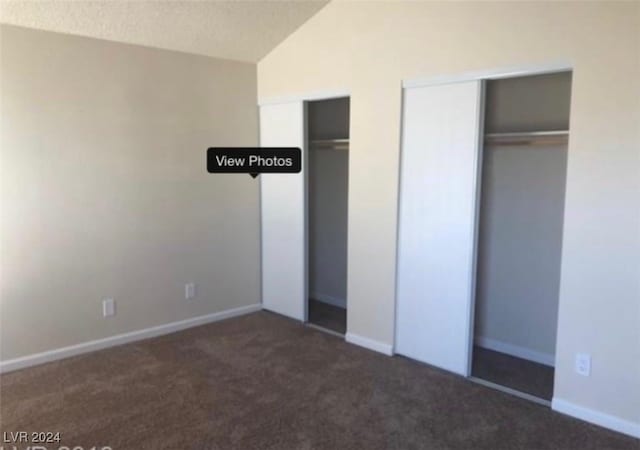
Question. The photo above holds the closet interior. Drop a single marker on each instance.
(524, 163)
(327, 194)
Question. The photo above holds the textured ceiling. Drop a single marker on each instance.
(234, 29)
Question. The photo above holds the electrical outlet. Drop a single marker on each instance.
(189, 291)
(108, 307)
(583, 364)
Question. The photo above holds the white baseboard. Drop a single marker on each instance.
(596, 417)
(376, 346)
(119, 339)
(328, 299)
(515, 350)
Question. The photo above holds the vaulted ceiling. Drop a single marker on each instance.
(234, 29)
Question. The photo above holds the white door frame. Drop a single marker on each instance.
(305, 98)
(483, 76)
(490, 74)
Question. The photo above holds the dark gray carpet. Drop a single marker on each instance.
(516, 373)
(265, 382)
(328, 316)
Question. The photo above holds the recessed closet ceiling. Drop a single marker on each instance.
(241, 30)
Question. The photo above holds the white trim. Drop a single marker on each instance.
(328, 299)
(515, 350)
(124, 338)
(475, 232)
(596, 417)
(489, 74)
(398, 215)
(305, 200)
(305, 97)
(370, 344)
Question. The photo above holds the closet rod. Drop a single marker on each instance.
(330, 144)
(528, 138)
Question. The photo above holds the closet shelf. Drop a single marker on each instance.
(330, 144)
(528, 138)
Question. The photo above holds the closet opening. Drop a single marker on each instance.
(519, 236)
(327, 200)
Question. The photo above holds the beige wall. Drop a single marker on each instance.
(105, 191)
(369, 47)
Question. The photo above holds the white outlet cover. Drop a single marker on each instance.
(583, 364)
(189, 291)
(108, 307)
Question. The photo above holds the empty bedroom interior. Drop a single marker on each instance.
(456, 265)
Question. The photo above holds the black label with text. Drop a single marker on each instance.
(254, 160)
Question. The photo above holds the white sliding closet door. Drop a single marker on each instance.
(437, 221)
(283, 215)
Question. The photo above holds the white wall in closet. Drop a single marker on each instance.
(519, 250)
